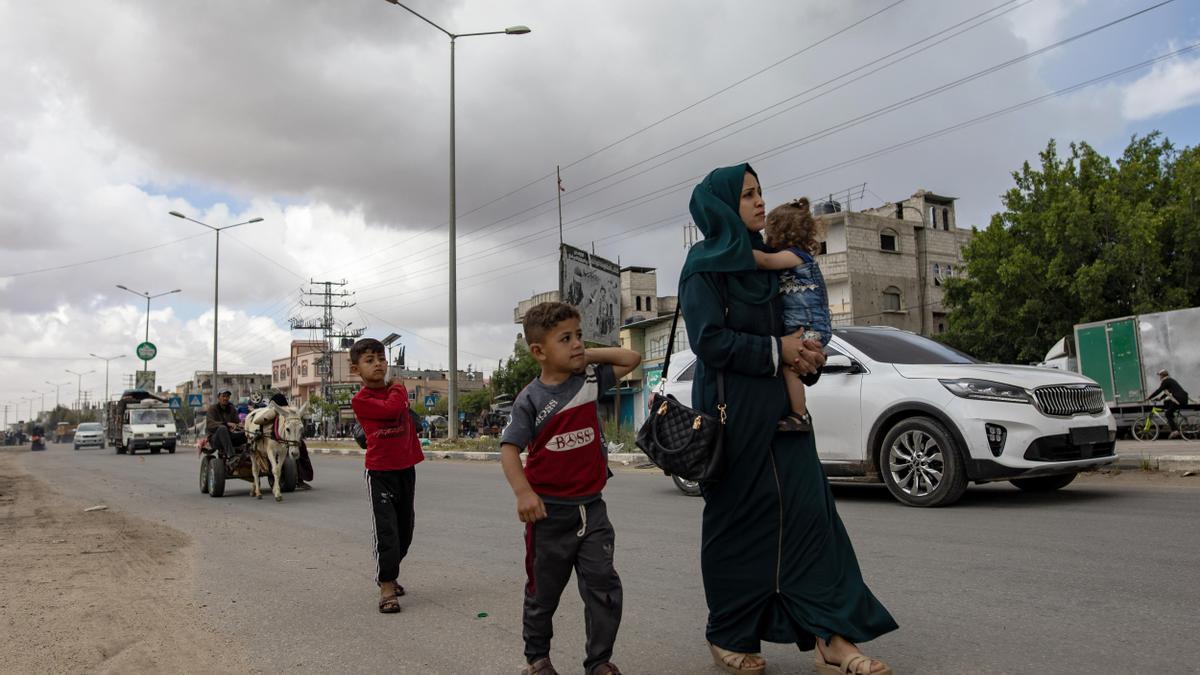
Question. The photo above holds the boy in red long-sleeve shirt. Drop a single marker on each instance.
(393, 452)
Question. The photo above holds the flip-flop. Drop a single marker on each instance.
(389, 605)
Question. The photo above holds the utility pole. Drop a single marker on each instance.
(329, 300)
(79, 385)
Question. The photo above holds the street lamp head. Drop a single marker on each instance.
(514, 30)
(255, 220)
(125, 288)
(177, 290)
(177, 214)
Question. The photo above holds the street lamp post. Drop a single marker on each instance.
(148, 297)
(216, 285)
(452, 395)
(56, 385)
(79, 390)
(106, 359)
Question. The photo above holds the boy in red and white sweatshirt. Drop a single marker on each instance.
(393, 452)
(556, 420)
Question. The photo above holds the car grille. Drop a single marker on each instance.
(1065, 400)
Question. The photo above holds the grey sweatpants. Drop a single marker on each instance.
(578, 538)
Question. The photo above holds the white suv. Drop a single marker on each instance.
(924, 419)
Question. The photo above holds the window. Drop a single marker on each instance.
(824, 249)
(937, 269)
(899, 212)
(304, 369)
(933, 217)
(689, 373)
(891, 299)
(896, 346)
(648, 307)
(888, 240)
(638, 302)
(946, 219)
(941, 328)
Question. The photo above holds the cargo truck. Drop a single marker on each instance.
(140, 420)
(1124, 355)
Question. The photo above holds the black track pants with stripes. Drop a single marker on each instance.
(579, 538)
(392, 509)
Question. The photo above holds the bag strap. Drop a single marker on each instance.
(671, 348)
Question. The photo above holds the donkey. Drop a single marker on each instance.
(284, 435)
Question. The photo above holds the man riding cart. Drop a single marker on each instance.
(228, 446)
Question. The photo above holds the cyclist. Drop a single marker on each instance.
(1174, 397)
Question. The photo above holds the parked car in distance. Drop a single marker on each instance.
(925, 419)
(89, 434)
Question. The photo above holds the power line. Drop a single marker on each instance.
(96, 260)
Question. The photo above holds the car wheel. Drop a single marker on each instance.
(204, 474)
(690, 488)
(216, 477)
(1044, 483)
(1145, 429)
(921, 464)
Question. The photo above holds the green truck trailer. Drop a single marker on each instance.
(1124, 355)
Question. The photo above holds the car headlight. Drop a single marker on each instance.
(986, 390)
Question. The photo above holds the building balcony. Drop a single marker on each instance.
(833, 266)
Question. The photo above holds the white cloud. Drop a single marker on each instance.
(1041, 23)
(1169, 86)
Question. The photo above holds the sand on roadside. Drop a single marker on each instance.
(97, 591)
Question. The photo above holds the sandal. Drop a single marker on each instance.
(389, 605)
(737, 663)
(858, 664)
(794, 422)
(540, 667)
(399, 590)
(609, 668)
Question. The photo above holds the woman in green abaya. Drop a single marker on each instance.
(777, 562)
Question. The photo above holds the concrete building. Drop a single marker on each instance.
(886, 265)
(436, 383)
(298, 375)
(240, 384)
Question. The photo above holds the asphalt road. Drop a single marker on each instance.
(1099, 578)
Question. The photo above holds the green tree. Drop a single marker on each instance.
(1081, 238)
(475, 402)
(516, 371)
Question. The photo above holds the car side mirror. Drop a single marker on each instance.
(840, 363)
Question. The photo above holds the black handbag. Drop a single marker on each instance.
(683, 441)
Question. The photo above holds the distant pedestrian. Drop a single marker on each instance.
(1174, 398)
(392, 455)
(556, 419)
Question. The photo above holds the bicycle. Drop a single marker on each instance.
(1148, 427)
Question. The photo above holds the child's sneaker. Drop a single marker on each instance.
(794, 422)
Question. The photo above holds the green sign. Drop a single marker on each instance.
(653, 377)
(146, 351)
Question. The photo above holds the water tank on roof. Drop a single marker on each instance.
(830, 206)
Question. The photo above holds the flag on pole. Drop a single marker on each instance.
(560, 185)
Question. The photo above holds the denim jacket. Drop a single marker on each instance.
(805, 297)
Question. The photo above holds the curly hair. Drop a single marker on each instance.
(792, 224)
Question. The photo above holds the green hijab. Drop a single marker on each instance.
(728, 244)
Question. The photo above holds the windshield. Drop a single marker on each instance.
(897, 346)
(89, 426)
(150, 417)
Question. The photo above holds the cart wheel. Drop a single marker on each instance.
(287, 477)
(216, 477)
(204, 474)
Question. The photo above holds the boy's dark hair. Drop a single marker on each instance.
(542, 317)
(792, 224)
(363, 346)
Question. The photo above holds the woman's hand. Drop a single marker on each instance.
(805, 357)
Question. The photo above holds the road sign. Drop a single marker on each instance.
(430, 401)
(462, 415)
(195, 400)
(175, 402)
(144, 379)
(146, 351)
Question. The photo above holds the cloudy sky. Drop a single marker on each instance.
(329, 120)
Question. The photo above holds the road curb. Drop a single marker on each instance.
(1132, 462)
(623, 458)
